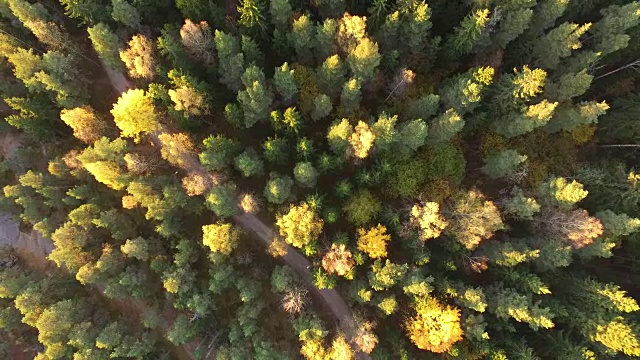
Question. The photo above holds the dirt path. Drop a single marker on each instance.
(250, 222)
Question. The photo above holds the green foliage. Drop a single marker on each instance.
(107, 45)
(222, 200)
(503, 164)
(249, 163)
(520, 206)
(331, 74)
(386, 134)
(445, 127)
(230, 60)
(413, 134)
(364, 59)
(471, 31)
(285, 82)
(278, 188)
(125, 13)
(558, 44)
(275, 150)
(301, 38)
(321, 107)
(569, 116)
(219, 152)
(252, 16)
(256, 99)
(362, 207)
(280, 11)
(351, 96)
(385, 275)
(339, 135)
(465, 91)
(305, 174)
(423, 107)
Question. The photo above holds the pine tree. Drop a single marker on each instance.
(107, 45)
(252, 18)
(285, 83)
(364, 59)
(256, 99)
(609, 32)
(362, 207)
(465, 91)
(321, 107)
(558, 44)
(125, 13)
(445, 127)
(385, 131)
(338, 136)
(331, 72)
(569, 85)
(276, 150)
(503, 164)
(351, 96)
(413, 134)
(569, 116)
(520, 206)
(545, 15)
(305, 174)
(278, 188)
(280, 11)
(534, 116)
(513, 24)
(472, 31)
(231, 60)
(249, 163)
(423, 107)
(301, 38)
(325, 40)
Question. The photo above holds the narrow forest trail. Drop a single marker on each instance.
(265, 234)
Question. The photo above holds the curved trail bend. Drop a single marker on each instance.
(250, 222)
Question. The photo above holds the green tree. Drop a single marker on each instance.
(423, 107)
(385, 131)
(609, 32)
(331, 73)
(285, 83)
(558, 44)
(464, 92)
(325, 40)
(503, 163)
(520, 206)
(249, 163)
(362, 207)
(125, 13)
(305, 174)
(364, 59)
(339, 135)
(252, 17)
(222, 200)
(445, 127)
(413, 134)
(300, 226)
(280, 11)
(301, 38)
(545, 15)
(351, 96)
(569, 86)
(513, 24)
(219, 152)
(256, 99)
(569, 116)
(276, 150)
(278, 188)
(136, 248)
(135, 114)
(230, 60)
(107, 45)
(385, 275)
(322, 107)
(517, 123)
(472, 30)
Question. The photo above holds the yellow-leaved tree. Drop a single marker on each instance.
(135, 114)
(434, 327)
